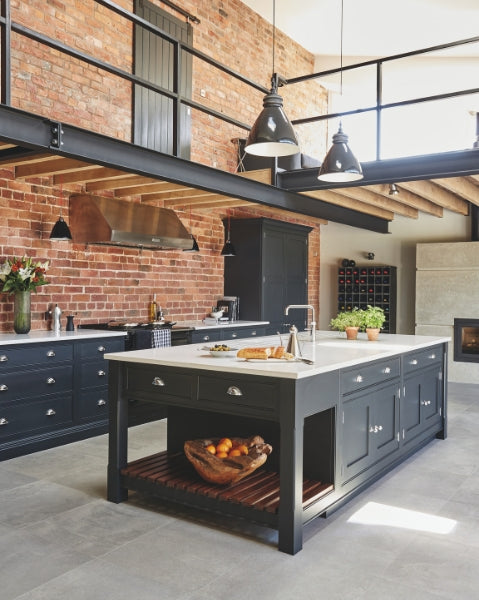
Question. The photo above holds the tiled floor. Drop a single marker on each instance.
(60, 538)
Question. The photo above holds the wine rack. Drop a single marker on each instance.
(359, 286)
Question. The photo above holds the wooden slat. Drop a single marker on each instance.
(438, 195)
(120, 183)
(49, 167)
(369, 195)
(150, 189)
(261, 175)
(340, 200)
(91, 174)
(12, 161)
(413, 200)
(461, 187)
(208, 204)
(179, 196)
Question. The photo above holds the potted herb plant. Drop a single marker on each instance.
(373, 320)
(348, 321)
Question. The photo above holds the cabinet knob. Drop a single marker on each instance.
(432, 356)
(158, 381)
(234, 335)
(101, 348)
(51, 353)
(3, 388)
(253, 332)
(51, 381)
(206, 338)
(233, 390)
(3, 421)
(375, 428)
(101, 402)
(426, 402)
(358, 378)
(387, 370)
(50, 412)
(413, 362)
(3, 358)
(101, 373)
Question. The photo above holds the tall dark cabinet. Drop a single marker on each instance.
(269, 271)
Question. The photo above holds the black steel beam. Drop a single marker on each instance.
(31, 131)
(412, 168)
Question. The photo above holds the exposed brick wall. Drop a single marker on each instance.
(99, 283)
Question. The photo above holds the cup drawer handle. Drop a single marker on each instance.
(158, 381)
(3, 421)
(3, 388)
(101, 348)
(101, 373)
(101, 402)
(358, 379)
(3, 358)
(50, 412)
(233, 390)
(51, 381)
(387, 370)
(51, 353)
(413, 362)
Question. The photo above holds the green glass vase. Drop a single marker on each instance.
(22, 316)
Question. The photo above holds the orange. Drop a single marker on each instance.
(211, 448)
(226, 441)
(222, 455)
(222, 448)
(235, 452)
(243, 449)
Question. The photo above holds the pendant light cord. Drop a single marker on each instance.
(341, 54)
(274, 30)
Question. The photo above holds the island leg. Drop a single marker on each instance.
(291, 480)
(118, 433)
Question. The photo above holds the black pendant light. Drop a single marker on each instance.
(340, 164)
(60, 232)
(195, 247)
(272, 133)
(228, 248)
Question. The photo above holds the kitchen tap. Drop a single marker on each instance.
(313, 322)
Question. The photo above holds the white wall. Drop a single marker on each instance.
(398, 248)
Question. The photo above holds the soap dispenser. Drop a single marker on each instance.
(57, 313)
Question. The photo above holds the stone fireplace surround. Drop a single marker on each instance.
(447, 287)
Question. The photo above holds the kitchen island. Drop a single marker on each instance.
(335, 426)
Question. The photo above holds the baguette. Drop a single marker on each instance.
(260, 353)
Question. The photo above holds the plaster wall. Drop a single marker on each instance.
(398, 248)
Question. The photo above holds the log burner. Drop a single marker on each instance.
(466, 340)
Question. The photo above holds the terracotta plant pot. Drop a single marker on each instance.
(373, 333)
(352, 333)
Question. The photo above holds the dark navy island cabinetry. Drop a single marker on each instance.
(335, 426)
(53, 392)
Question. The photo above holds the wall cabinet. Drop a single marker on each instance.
(269, 271)
(52, 393)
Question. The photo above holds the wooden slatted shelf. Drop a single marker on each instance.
(259, 491)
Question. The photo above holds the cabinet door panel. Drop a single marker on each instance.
(421, 404)
(356, 446)
(386, 419)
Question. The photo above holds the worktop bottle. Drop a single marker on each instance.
(152, 310)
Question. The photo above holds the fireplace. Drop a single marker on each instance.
(466, 340)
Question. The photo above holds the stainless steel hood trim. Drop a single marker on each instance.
(112, 222)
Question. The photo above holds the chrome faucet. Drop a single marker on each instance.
(313, 322)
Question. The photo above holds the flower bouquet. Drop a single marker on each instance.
(22, 275)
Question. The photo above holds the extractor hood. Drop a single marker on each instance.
(112, 222)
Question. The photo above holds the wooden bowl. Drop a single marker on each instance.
(225, 471)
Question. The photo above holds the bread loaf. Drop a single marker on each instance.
(250, 353)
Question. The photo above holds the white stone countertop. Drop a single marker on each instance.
(51, 336)
(330, 352)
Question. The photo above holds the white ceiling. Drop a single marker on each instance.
(373, 28)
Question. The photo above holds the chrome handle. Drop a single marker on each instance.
(206, 338)
(3, 421)
(101, 348)
(375, 428)
(101, 402)
(101, 373)
(432, 356)
(253, 333)
(50, 412)
(3, 358)
(426, 402)
(158, 381)
(51, 381)
(51, 353)
(387, 370)
(234, 335)
(233, 390)
(3, 388)
(358, 378)
(413, 362)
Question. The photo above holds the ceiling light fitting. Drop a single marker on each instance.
(60, 232)
(393, 190)
(228, 248)
(340, 164)
(272, 133)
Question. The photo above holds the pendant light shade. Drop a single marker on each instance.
(272, 133)
(340, 164)
(60, 231)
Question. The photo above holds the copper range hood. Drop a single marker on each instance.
(112, 222)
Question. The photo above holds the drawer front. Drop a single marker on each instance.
(93, 404)
(368, 374)
(34, 354)
(93, 349)
(27, 384)
(205, 336)
(415, 361)
(158, 382)
(93, 374)
(20, 419)
(242, 332)
(230, 396)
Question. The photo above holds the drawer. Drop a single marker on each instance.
(159, 382)
(205, 336)
(93, 404)
(15, 357)
(414, 361)
(27, 384)
(242, 332)
(229, 395)
(20, 419)
(368, 374)
(93, 349)
(93, 374)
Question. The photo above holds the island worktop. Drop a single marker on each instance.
(335, 426)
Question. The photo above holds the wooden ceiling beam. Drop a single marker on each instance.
(341, 200)
(460, 186)
(376, 198)
(88, 175)
(413, 200)
(219, 203)
(121, 183)
(437, 195)
(49, 167)
(155, 187)
(12, 161)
